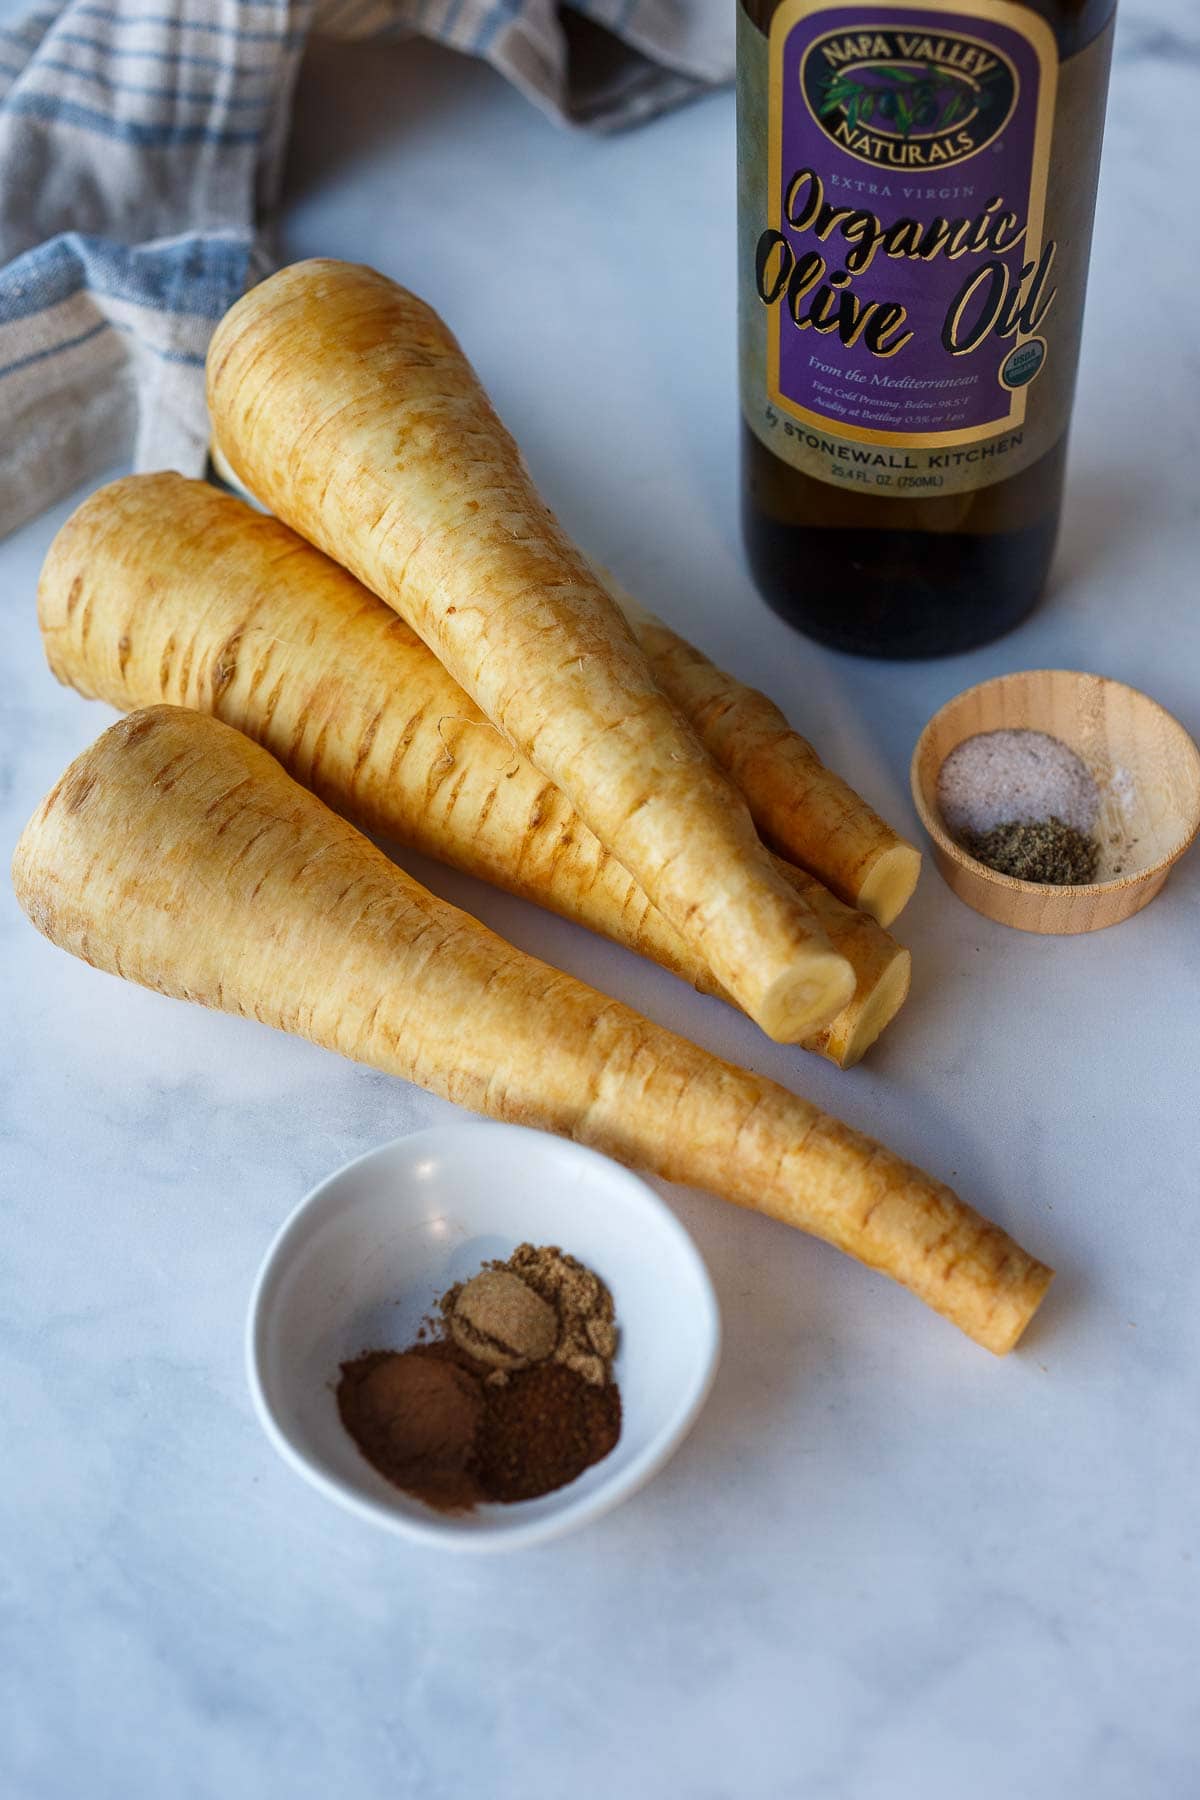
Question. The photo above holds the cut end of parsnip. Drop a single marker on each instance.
(888, 884)
(805, 1000)
(874, 1014)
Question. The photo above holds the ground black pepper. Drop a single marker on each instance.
(1049, 852)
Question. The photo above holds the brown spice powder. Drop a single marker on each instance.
(542, 1429)
(499, 1320)
(417, 1421)
(587, 1340)
(502, 1407)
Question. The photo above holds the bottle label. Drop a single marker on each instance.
(916, 181)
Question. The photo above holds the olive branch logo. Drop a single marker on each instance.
(900, 100)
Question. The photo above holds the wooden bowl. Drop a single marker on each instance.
(1146, 767)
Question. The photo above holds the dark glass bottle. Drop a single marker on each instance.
(868, 537)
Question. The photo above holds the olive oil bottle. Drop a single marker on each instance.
(916, 183)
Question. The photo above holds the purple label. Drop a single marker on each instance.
(903, 264)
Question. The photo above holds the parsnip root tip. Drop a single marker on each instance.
(1015, 1310)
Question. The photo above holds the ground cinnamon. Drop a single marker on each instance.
(416, 1419)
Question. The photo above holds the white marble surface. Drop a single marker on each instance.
(884, 1565)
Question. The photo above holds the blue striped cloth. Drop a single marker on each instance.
(141, 150)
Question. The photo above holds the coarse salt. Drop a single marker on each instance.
(1015, 777)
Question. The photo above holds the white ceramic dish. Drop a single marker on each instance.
(362, 1259)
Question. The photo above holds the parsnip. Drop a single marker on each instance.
(177, 853)
(817, 820)
(808, 813)
(347, 407)
(158, 588)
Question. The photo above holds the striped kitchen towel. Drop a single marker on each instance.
(141, 150)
